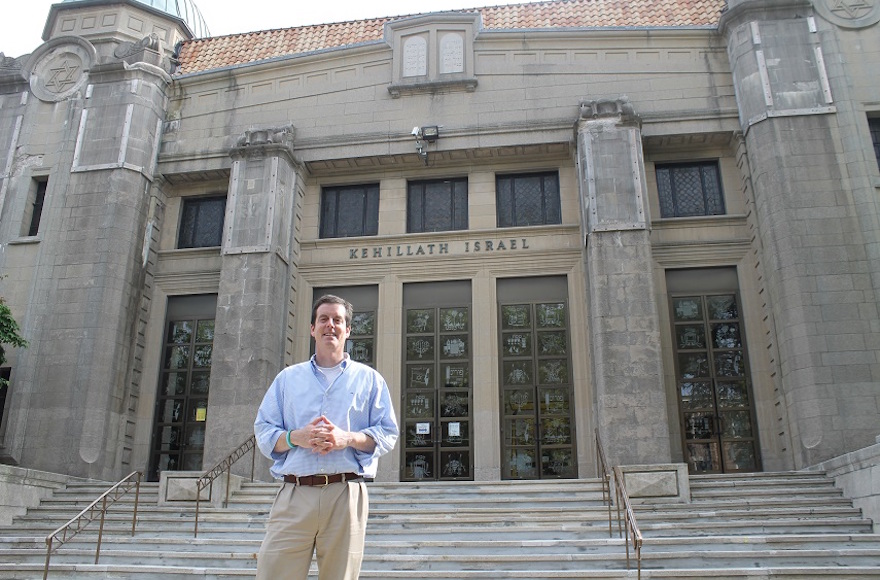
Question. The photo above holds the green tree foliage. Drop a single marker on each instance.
(9, 334)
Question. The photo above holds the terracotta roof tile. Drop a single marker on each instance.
(222, 51)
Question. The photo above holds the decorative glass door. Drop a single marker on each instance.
(437, 394)
(182, 402)
(538, 438)
(361, 343)
(715, 394)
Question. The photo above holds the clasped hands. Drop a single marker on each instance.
(322, 436)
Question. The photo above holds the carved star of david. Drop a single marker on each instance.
(62, 76)
(851, 9)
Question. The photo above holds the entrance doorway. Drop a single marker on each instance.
(182, 402)
(537, 399)
(437, 396)
(712, 372)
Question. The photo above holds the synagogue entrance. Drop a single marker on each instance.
(537, 399)
(437, 398)
(182, 401)
(712, 372)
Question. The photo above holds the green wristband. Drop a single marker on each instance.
(287, 437)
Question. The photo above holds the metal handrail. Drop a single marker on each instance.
(631, 527)
(603, 473)
(207, 480)
(79, 522)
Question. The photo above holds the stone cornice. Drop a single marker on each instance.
(433, 88)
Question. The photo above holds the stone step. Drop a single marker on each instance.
(477, 522)
(753, 475)
(455, 504)
(463, 499)
(465, 556)
(100, 571)
(95, 490)
(468, 487)
(780, 526)
(417, 544)
(656, 531)
(544, 531)
(696, 513)
(794, 526)
(99, 487)
(476, 525)
(728, 502)
(818, 493)
(587, 491)
(49, 519)
(766, 479)
(735, 502)
(44, 517)
(146, 512)
(416, 534)
(750, 474)
(83, 500)
(122, 512)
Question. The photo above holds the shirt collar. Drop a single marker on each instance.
(343, 365)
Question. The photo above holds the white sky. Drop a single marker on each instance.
(21, 28)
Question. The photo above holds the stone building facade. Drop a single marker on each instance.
(657, 223)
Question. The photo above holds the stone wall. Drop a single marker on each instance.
(858, 474)
(21, 489)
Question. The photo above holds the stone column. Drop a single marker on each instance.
(72, 399)
(254, 300)
(623, 318)
(816, 216)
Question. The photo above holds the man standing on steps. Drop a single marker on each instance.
(325, 423)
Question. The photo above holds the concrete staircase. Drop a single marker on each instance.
(755, 526)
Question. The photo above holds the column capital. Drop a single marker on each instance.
(618, 108)
(265, 142)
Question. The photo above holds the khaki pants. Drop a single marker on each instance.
(331, 520)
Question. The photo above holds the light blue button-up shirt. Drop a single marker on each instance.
(358, 400)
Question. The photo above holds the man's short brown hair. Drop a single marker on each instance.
(331, 299)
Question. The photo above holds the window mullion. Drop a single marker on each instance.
(706, 191)
(364, 210)
(543, 194)
(514, 220)
(423, 201)
(673, 193)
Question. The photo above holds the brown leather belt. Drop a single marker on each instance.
(321, 480)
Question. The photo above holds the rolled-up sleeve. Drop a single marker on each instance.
(382, 427)
(269, 424)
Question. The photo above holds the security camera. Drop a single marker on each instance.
(416, 131)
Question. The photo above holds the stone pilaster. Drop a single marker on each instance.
(623, 318)
(816, 217)
(255, 285)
